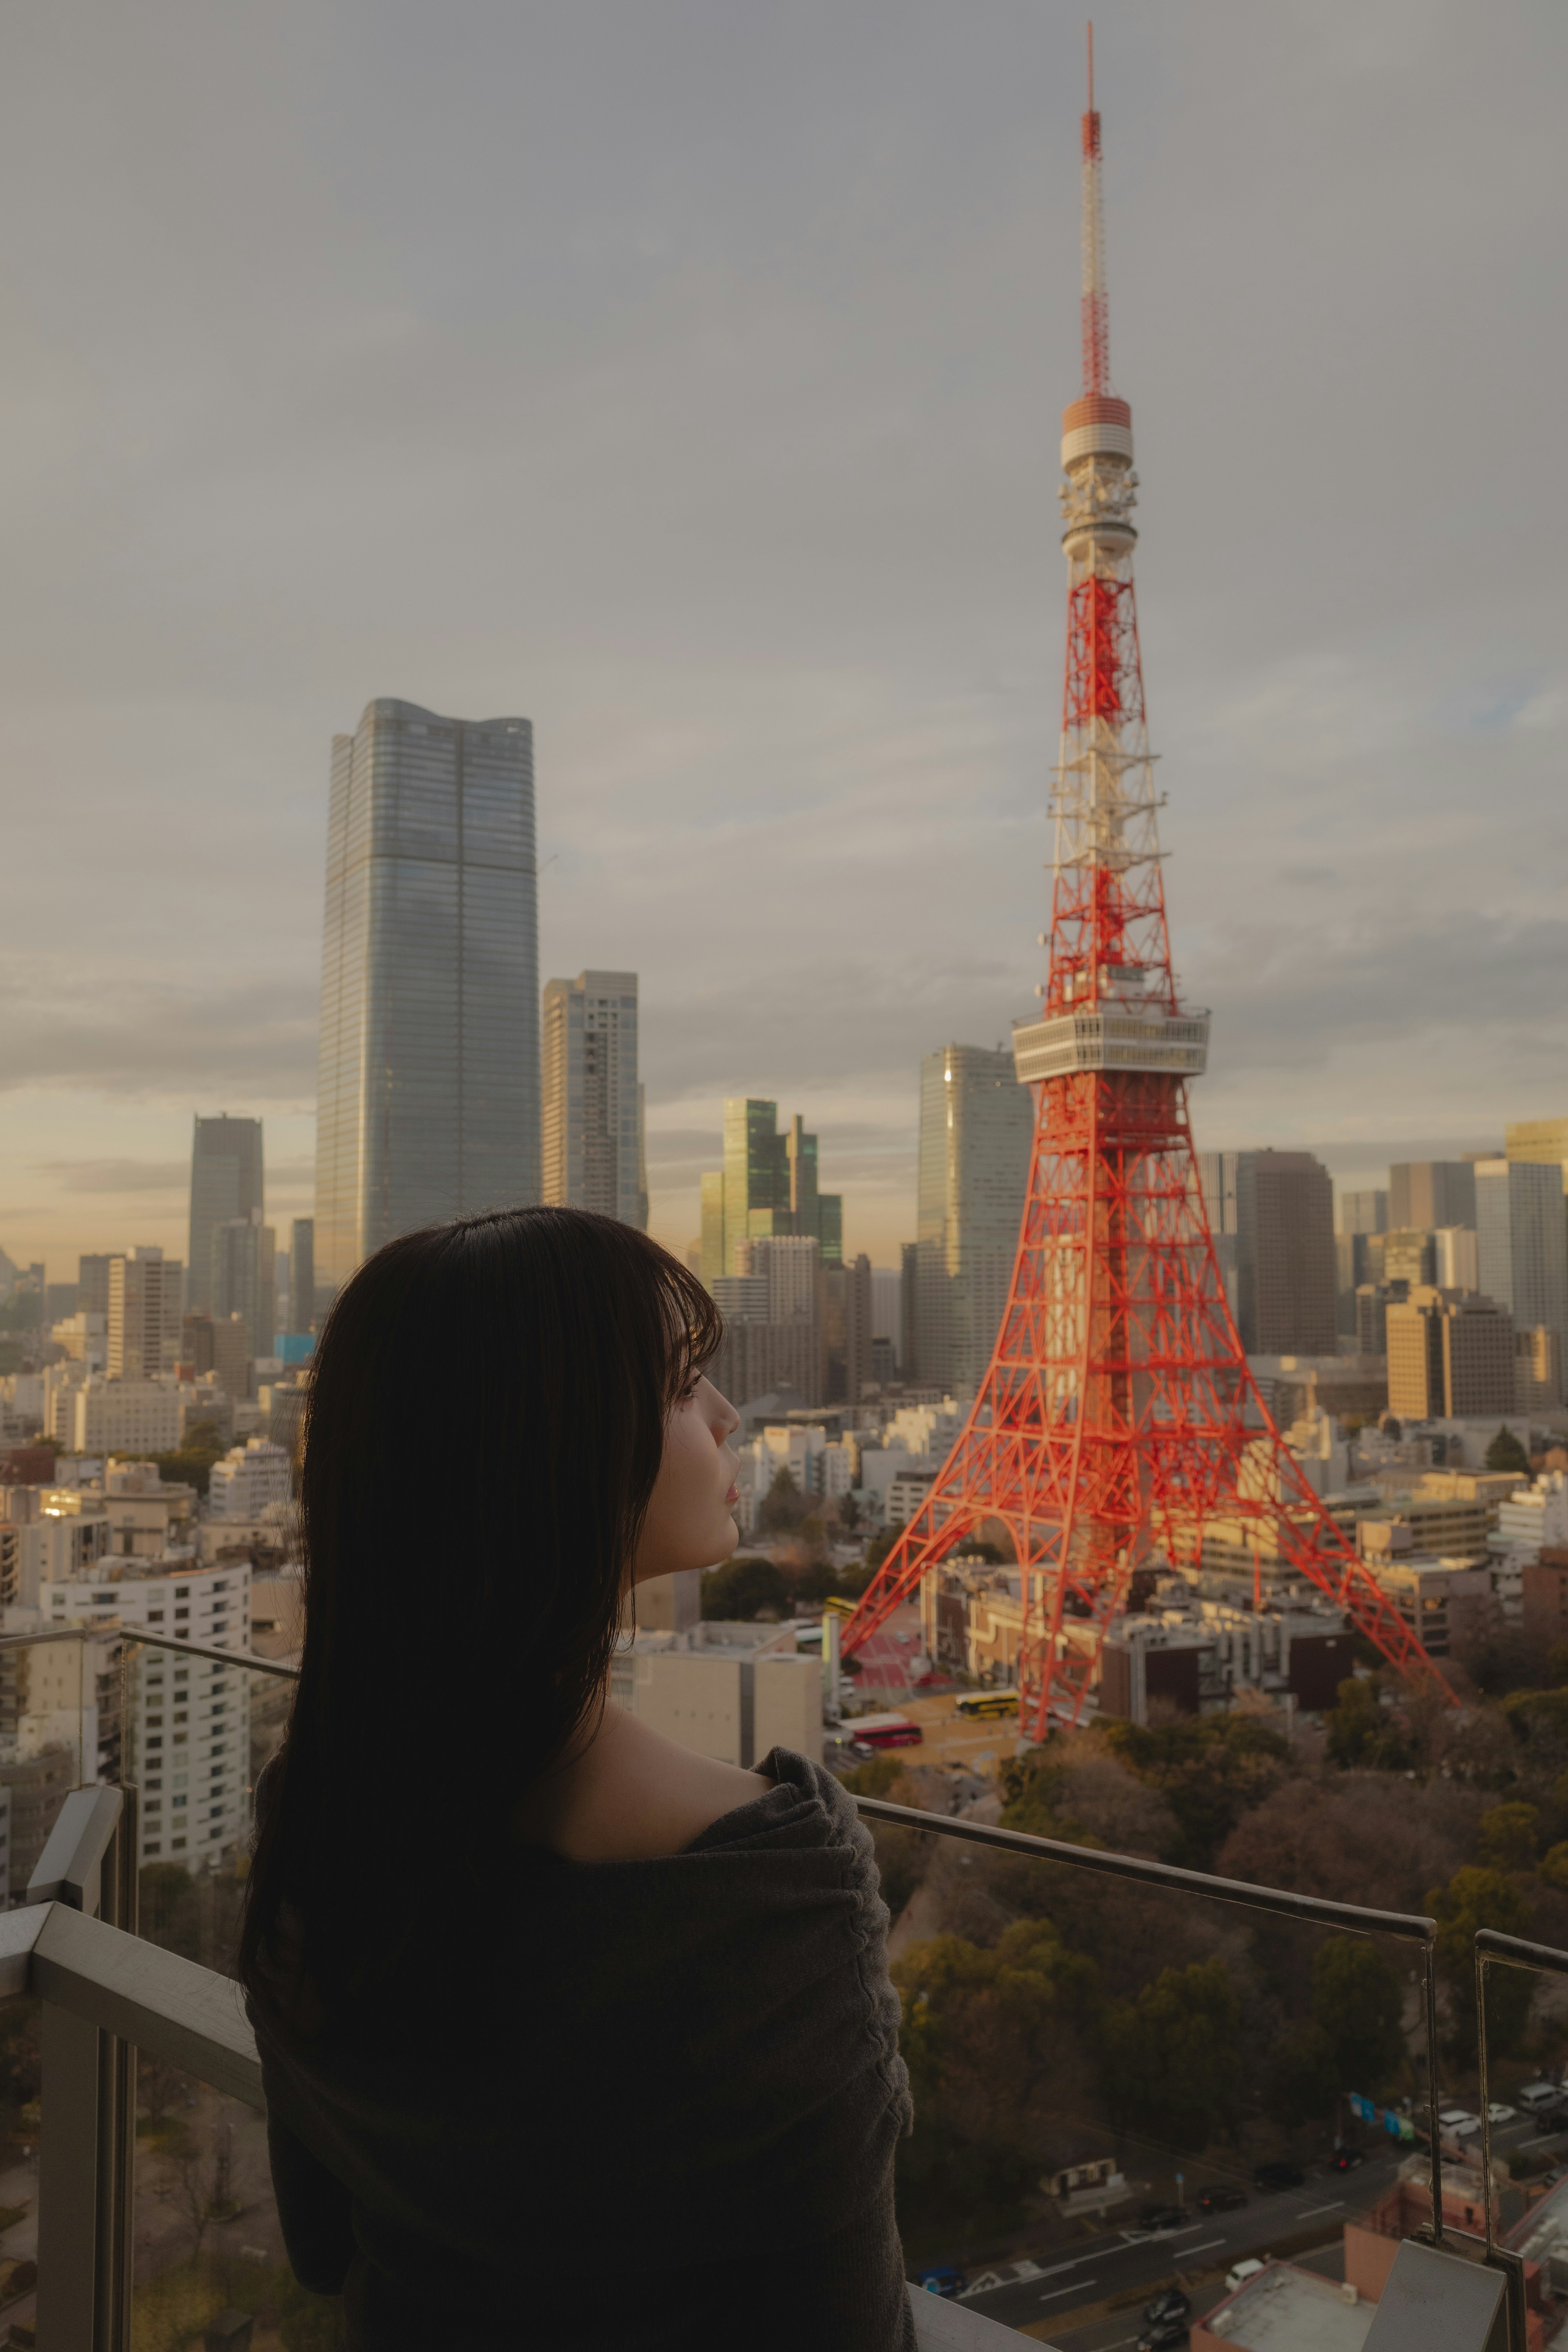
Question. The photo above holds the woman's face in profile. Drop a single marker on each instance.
(689, 1522)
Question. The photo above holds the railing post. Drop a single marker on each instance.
(88, 2141)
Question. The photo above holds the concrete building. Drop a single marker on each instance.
(187, 1736)
(1522, 1240)
(977, 1132)
(1458, 1265)
(1445, 1602)
(1289, 1270)
(734, 1692)
(1538, 1371)
(1364, 1212)
(774, 1320)
(226, 1182)
(591, 1120)
(92, 1286)
(249, 1477)
(242, 1280)
(302, 1274)
(146, 1294)
(124, 1416)
(63, 1696)
(847, 1317)
(1426, 1193)
(427, 1093)
(767, 1187)
(85, 1338)
(1450, 1352)
(1409, 1257)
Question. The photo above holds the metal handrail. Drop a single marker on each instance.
(117, 1632)
(1279, 1902)
(1493, 1947)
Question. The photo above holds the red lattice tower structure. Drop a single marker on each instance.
(1118, 1421)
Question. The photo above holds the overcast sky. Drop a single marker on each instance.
(688, 377)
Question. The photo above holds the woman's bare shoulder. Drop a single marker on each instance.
(631, 1795)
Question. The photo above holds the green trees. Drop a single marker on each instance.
(1362, 1731)
(1173, 2067)
(742, 1587)
(1505, 1451)
(1210, 1769)
(1510, 1837)
(1474, 1898)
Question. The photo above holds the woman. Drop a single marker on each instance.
(571, 2037)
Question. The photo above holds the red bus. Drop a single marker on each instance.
(885, 1731)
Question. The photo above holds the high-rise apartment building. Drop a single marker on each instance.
(302, 1274)
(1522, 1240)
(146, 1293)
(976, 1129)
(1430, 1193)
(244, 1278)
(767, 1187)
(1364, 1212)
(1285, 1232)
(1451, 1356)
(226, 1181)
(427, 1091)
(591, 1119)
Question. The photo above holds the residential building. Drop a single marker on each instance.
(249, 1477)
(591, 1118)
(427, 1094)
(1426, 1193)
(976, 1131)
(766, 1189)
(1458, 1267)
(244, 1280)
(1538, 1371)
(1522, 1240)
(1450, 1352)
(124, 1416)
(1534, 1518)
(1445, 1602)
(1364, 1212)
(302, 1274)
(187, 1735)
(226, 1182)
(64, 1696)
(1284, 1230)
(231, 1355)
(145, 1294)
(727, 1691)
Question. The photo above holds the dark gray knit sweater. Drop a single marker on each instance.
(660, 2112)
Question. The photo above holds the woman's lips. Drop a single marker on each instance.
(733, 1495)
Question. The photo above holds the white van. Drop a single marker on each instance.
(1241, 2273)
(1537, 2096)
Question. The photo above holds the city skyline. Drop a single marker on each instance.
(859, 627)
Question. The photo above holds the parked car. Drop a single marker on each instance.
(1537, 2097)
(1240, 2274)
(1271, 2178)
(1219, 2197)
(1458, 2122)
(940, 2278)
(1345, 2160)
(1498, 2113)
(1162, 2217)
(1164, 2335)
(1170, 2305)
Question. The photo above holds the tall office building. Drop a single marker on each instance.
(92, 1284)
(1285, 1232)
(976, 1129)
(1216, 1182)
(302, 1274)
(146, 1293)
(772, 1307)
(244, 1280)
(848, 1316)
(1450, 1355)
(226, 1181)
(1432, 1192)
(767, 1187)
(427, 1093)
(591, 1119)
(1522, 1242)
(1458, 1267)
(1364, 1212)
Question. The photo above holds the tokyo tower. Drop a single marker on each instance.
(1118, 1418)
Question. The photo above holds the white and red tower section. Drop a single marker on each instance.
(1117, 1420)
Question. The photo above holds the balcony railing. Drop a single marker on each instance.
(109, 1997)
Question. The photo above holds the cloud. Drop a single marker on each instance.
(116, 1175)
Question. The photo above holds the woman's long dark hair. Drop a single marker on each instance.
(485, 1425)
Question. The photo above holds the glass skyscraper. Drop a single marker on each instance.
(226, 1181)
(976, 1127)
(427, 1095)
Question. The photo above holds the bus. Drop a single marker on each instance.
(884, 1731)
(987, 1704)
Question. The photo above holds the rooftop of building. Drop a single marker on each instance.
(1284, 2309)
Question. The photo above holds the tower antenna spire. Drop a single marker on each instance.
(1096, 317)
